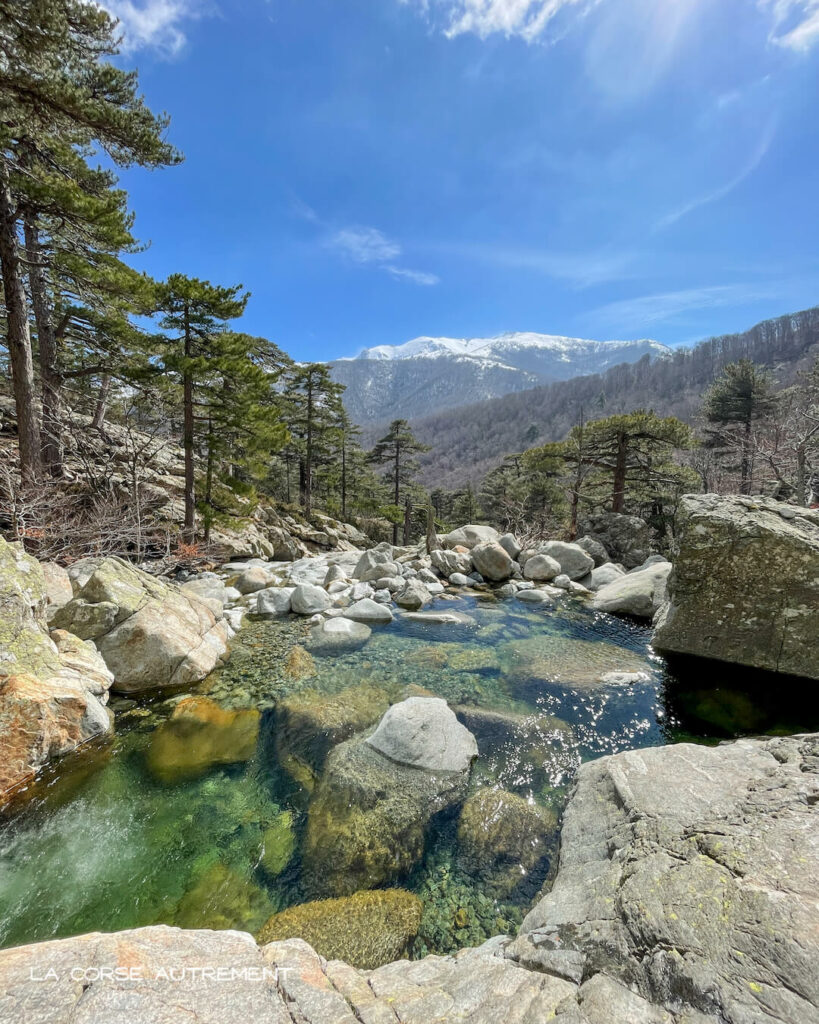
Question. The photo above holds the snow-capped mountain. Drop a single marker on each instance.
(426, 374)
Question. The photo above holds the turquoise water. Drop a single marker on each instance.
(101, 842)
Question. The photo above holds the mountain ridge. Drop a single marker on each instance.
(428, 374)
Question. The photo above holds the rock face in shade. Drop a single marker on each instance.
(696, 910)
(625, 539)
(745, 584)
(150, 633)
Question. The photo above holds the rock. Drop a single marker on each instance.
(199, 735)
(149, 633)
(393, 584)
(534, 596)
(507, 590)
(510, 545)
(469, 537)
(541, 567)
(299, 664)
(339, 634)
(503, 838)
(309, 723)
(745, 585)
(604, 574)
(457, 579)
(638, 593)
(627, 539)
(374, 564)
(595, 549)
(208, 587)
(274, 600)
(423, 732)
(382, 597)
(573, 560)
(368, 610)
(441, 618)
(58, 589)
(426, 575)
(367, 821)
(252, 579)
(414, 595)
(307, 599)
(492, 561)
(562, 582)
(366, 929)
(448, 562)
(278, 844)
(360, 591)
(53, 687)
(334, 574)
(725, 871)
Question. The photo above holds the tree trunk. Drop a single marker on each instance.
(308, 468)
(19, 340)
(50, 377)
(745, 464)
(187, 438)
(209, 482)
(618, 498)
(302, 481)
(802, 495)
(344, 482)
(397, 469)
(407, 522)
(102, 403)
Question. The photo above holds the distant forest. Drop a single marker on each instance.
(470, 441)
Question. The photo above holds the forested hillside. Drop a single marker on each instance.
(470, 441)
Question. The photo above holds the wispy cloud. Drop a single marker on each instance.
(755, 159)
(630, 316)
(527, 19)
(367, 245)
(153, 24)
(795, 23)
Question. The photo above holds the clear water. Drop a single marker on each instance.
(97, 843)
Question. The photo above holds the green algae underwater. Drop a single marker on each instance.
(194, 814)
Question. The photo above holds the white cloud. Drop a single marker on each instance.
(153, 24)
(755, 159)
(525, 18)
(364, 245)
(795, 23)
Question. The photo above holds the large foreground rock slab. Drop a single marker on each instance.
(150, 633)
(745, 584)
(706, 902)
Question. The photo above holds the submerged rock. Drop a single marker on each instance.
(369, 814)
(565, 660)
(745, 584)
(199, 735)
(309, 724)
(503, 838)
(278, 844)
(221, 898)
(299, 664)
(367, 929)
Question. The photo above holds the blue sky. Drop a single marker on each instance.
(374, 170)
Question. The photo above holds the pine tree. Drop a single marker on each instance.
(312, 401)
(737, 398)
(397, 448)
(193, 310)
(58, 92)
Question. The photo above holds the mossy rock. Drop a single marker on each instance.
(279, 844)
(367, 929)
(455, 658)
(221, 898)
(566, 661)
(310, 723)
(367, 820)
(503, 838)
(198, 735)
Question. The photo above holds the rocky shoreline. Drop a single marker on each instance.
(700, 910)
